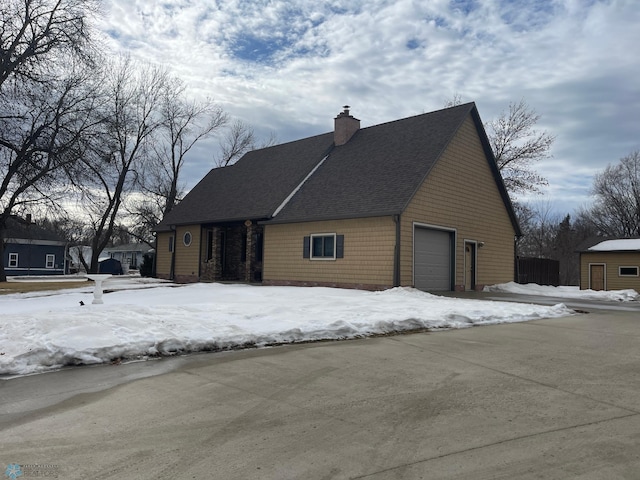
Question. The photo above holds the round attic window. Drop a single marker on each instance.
(186, 239)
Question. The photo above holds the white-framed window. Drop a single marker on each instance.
(323, 246)
(51, 260)
(13, 260)
(628, 271)
(186, 239)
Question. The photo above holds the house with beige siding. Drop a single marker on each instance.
(611, 265)
(413, 202)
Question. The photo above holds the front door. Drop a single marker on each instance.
(469, 266)
(596, 277)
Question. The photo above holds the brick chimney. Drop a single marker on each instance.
(345, 126)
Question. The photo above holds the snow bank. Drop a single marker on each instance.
(564, 292)
(39, 333)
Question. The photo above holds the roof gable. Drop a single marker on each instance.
(381, 168)
(376, 173)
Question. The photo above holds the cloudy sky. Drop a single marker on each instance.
(288, 67)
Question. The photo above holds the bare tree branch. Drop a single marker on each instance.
(517, 146)
(616, 210)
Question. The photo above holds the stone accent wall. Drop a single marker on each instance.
(232, 268)
(210, 267)
(233, 253)
(255, 245)
(186, 279)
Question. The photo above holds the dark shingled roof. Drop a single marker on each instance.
(18, 228)
(376, 173)
(252, 188)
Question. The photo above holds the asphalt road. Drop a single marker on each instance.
(547, 399)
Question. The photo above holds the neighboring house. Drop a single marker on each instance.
(75, 252)
(414, 202)
(129, 255)
(32, 250)
(611, 265)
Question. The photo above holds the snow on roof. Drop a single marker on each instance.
(617, 245)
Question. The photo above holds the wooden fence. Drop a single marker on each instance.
(542, 271)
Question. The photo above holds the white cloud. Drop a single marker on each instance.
(289, 66)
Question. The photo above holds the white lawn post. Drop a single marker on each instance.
(97, 289)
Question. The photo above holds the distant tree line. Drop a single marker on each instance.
(77, 122)
(614, 213)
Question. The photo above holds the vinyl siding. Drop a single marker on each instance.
(613, 261)
(187, 257)
(163, 255)
(32, 258)
(369, 245)
(460, 194)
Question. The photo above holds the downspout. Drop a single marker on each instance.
(516, 264)
(200, 256)
(173, 254)
(154, 265)
(396, 258)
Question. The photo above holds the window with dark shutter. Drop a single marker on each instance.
(323, 246)
(306, 247)
(339, 246)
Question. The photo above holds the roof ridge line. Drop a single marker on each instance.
(295, 190)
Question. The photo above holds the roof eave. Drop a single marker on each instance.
(168, 227)
(328, 218)
(493, 165)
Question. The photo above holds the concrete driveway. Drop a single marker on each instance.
(548, 399)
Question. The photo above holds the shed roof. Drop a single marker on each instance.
(620, 245)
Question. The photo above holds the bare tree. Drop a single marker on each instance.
(517, 146)
(538, 223)
(184, 123)
(37, 35)
(238, 140)
(41, 141)
(616, 210)
(454, 101)
(45, 99)
(131, 118)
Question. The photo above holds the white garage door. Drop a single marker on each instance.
(432, 259)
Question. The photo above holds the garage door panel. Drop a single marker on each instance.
(432, 259)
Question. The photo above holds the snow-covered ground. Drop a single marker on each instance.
(565, 292)
(139, 319)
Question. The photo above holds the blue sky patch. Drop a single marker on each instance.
(113, 33)
(254, 49)
(464, 6)
(414, 44)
